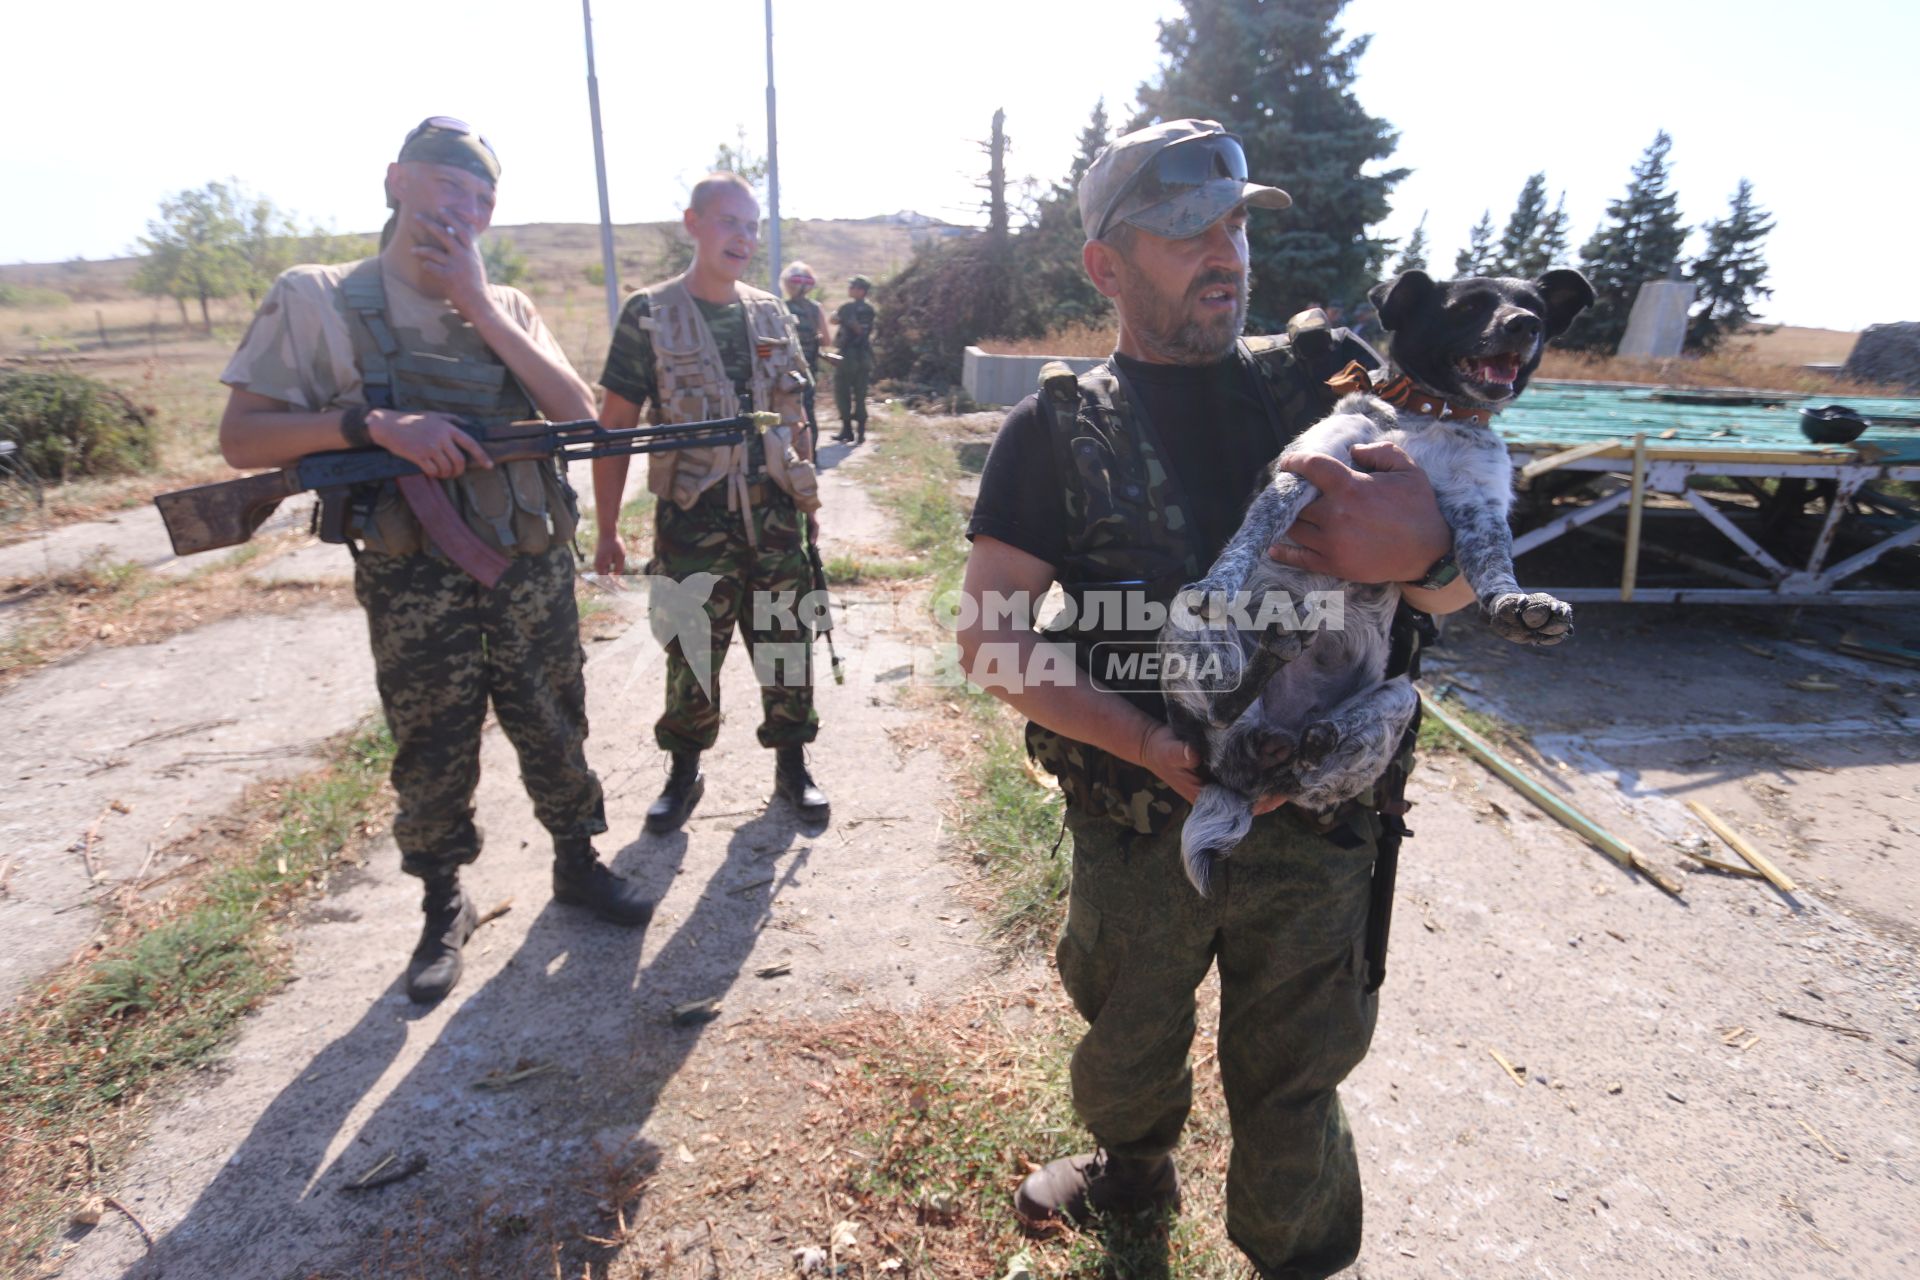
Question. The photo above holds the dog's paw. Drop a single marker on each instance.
(1317, 742)
(1205, 602)
(1536, 618)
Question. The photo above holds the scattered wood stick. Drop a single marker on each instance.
(756, 884)
(514, 1077)
(1727, 867)
(386, 1171)
(1855, 1032)
(1740, 845)
(1562, 812)
(1833, 1151)
(779, 970)
(138, 1225)
(1912, 1062)
(1507, 1067)
(494, 912)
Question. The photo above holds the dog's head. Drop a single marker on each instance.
(1478, 340)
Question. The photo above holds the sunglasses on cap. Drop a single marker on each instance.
(449, 124)
(1177, 169)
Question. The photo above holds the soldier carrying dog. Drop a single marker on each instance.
(703, 345)
(414, 351)
(1131, 478)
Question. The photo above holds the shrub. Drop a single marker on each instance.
(69, 426)
(31, 295)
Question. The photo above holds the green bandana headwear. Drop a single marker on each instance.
(444, 140)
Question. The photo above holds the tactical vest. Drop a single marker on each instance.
(692, 385)
(521, 508)
(1128, 529)
(806, 323)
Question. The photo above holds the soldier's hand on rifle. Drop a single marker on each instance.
(454, 262)
(431, 441)
(609, 555)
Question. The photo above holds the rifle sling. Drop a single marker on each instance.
(449, 532)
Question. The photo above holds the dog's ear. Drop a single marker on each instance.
(1567, 294)
(1397, 299)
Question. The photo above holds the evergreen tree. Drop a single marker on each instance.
(1477, 259)
(1047, 250)
(1280, 75)
(1730, 275)
(1640, 241)
(1514, 256)
(1548, 247)
(1414, 256)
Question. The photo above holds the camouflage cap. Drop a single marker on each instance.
(859, 282)
(1174, 179)
(446, 140)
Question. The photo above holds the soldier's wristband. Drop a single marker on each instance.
(354, 429)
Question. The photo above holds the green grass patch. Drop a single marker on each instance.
(851, 571)
(1434, 736)
(168, 990)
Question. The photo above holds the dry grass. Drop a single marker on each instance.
(180, 957)
(1074, 340)
(113, 605)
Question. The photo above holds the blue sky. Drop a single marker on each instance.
(116, 104)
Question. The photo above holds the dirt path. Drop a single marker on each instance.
(1667, 1120)
(242, 1177)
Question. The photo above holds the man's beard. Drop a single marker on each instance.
(1168, 328)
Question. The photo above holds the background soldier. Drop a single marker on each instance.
(853, 334)
(1165, 209)
(387, 352)
(700, 346)
(810, 318)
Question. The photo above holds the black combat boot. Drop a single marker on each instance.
(860, 432)
(435, 966)
(580, 879)
(792, 782)
(845, 436)
(1075, 1187)
(685, 785)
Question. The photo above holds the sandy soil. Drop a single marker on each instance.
(1668, 1121)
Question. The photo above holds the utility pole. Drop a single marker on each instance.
(600, 172)
(773, 168)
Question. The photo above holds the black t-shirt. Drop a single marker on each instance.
(1210, 420)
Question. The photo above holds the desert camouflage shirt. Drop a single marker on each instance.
(299, 348)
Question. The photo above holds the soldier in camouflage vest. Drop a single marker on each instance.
(413, 351)
(810, 323)
(1122, 485)
(700, 346)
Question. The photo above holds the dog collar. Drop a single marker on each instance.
(1401, 393)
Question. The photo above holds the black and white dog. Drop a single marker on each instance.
(1308, 713)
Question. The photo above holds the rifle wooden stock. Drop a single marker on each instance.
(226, 514)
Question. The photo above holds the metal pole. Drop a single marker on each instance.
(600, 173)
(773, 169)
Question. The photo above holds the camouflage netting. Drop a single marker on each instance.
(1887, 353)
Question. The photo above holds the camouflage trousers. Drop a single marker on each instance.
(1287, 926)
(850, 387)
(753, 591)
(444, 647)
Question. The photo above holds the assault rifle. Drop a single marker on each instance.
(823, 613)
(228, 513)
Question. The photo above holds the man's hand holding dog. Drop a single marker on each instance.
(1175, 764)
(1374, 521)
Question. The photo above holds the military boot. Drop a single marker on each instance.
(580, 879)
(860, 431)
(792, 782)
(845, 436)
(1075, 1187)
(685, 785)
(435, 966)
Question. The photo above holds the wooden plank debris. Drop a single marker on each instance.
(1744, 848)
(1717, 865)
(388, 1169)
(1554, 461)
(1562, 812)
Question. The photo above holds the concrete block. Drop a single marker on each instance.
(1007, 380)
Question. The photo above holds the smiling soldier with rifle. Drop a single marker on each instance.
(415, 352)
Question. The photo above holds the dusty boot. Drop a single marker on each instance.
(1074, 1187)
(580, 879)
(860, 432)
(792, 782)
(845, 436)
(435, 966)
(685, 785)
